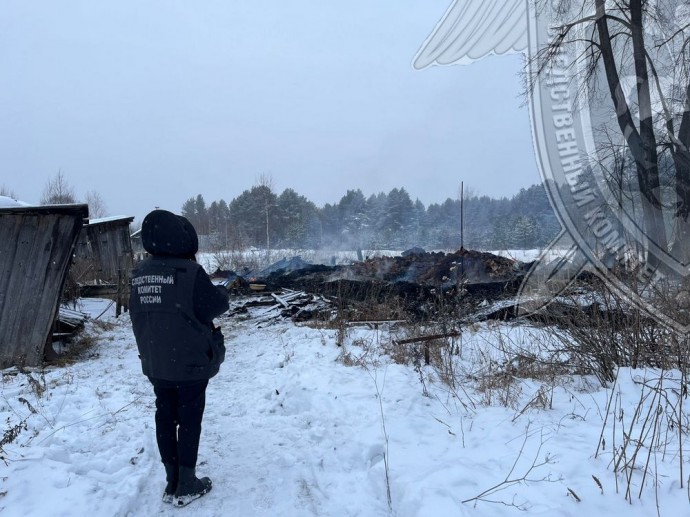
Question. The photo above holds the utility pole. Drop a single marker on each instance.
(462, 229)
(462, 215)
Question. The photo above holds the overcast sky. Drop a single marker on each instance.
(152, 102)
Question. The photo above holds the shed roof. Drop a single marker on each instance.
(111, 219)
(73, 209)
(6, 201)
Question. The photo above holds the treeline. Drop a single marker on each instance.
(259, 217)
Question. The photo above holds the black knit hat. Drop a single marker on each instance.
(164, 233)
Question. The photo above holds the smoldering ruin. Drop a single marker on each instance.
(415, 285)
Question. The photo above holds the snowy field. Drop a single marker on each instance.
(298, 426)
(258, 258)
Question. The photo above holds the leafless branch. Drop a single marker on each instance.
(523, 478)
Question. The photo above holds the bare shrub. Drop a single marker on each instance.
(10, 435)
(600, 332)
(38, 386)
(58, 191)
(97, 206)
(347, 358)
(499, 388)
(605, 335)
(657, 429)
(235, 261)
(514, 478)
(405, 353)
(80, 346)
(433, 340)
(7, 191)
(361, 352)
(368, 301)
(542, 400)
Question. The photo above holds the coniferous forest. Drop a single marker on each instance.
(259, 217)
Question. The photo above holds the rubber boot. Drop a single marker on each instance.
(190, 487)
(171, 477)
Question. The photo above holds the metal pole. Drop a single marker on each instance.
(462, 229)
(462, 215)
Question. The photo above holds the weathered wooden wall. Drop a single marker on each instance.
(107, 248)
(36, 246)
(104, 260)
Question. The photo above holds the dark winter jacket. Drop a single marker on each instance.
(173, 304)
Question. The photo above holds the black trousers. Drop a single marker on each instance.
(179, 411)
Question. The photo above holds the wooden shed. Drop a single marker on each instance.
(103, 258)
(137, 246)
(36, 247)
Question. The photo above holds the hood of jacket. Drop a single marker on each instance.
(164, 233)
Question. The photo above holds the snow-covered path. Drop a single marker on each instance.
(281, 436)
(277, 433)
(291, 431)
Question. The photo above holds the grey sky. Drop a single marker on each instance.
(152, 102)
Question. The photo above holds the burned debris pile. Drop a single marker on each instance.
(413, 277)
(411, 283)
(478, 274)
(297, 305)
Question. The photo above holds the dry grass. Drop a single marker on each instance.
(590, 336)
(80, 346)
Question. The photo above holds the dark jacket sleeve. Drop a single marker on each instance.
(210, 301)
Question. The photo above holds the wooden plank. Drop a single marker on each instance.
(97, 291)
(280, 300)
(426, 341)
(355, 322)
(422, 339)
(70, 317)
(25, 271)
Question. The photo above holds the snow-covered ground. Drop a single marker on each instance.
(298, 426)
(256, 258)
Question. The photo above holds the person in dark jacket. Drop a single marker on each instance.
(172, 306)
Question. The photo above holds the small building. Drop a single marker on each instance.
(103, 258)
(137, 246)
(36, 248)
